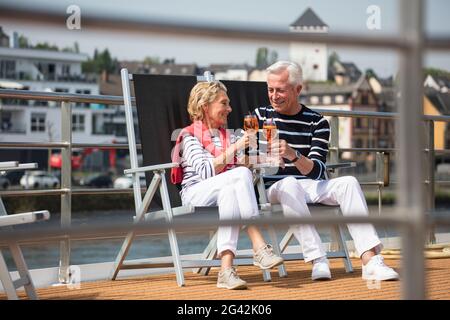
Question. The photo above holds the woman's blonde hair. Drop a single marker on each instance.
(203, 93)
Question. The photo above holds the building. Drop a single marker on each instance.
(4, 38)
(344, 72)
(353, 132)
(438, 103)
(169, 68)
(40, 121)
(439, 83)
(312, 57)
(230, 71)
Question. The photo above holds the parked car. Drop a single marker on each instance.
(14, 176)
(38, 179)
(4, 182)
(126, 181)
(97, 180)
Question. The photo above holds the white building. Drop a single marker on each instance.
(39, 121)
(312, 57)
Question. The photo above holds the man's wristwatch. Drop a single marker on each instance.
(298, 156)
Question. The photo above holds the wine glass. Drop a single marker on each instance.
(251, 125)
(251, 122)
(270, 132)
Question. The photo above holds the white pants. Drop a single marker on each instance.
(293, 195)
(232, 191)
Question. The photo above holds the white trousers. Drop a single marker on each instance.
(232, 191)
(294, 195)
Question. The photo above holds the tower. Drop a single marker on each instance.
(312, 57)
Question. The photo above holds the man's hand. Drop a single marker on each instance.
(283, 149)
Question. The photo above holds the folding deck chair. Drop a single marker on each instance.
(7, 221)
(337, 231)
(162, 102)
(161, 107)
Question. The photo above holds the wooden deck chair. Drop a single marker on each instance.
(7, 221)
(161, 108)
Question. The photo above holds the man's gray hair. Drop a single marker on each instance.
(295, 71)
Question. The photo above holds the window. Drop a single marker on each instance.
(78, 122)
(387, 127)
(7, 69)
(65, 70)
(365, 122)
(81, 91)
(359, 143)
(339, 99)
(38, 122)
(47, 70)
(315, 66)
(326, 100)
(314, 100)
(5, 117)
(365, 98)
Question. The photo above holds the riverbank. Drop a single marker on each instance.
(100, 202)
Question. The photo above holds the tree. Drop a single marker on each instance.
(273, 57)
(434, 72)
(23, 42)
(102, 61)
(46, 46)
(76, 47)
(105, 62)
(371, 74)
(151, 60)
(334, 57)
(262, 58)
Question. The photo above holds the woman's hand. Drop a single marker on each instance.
(243, 142)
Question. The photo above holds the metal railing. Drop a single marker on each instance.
(410, 46)
(66, 191)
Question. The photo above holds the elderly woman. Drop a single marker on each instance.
(209, 177)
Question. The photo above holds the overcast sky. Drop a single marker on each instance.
(341, 16)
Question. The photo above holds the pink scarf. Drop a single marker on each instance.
(202, 133)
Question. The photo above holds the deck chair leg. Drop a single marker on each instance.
(208, 254)
(272, 234)
(130, 236)
(23, 271)
(6, 279)
(172, 235)
(343, 247)
(122, 255)
(286, 239)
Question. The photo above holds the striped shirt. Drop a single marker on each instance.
(196, 161)
(308, 132)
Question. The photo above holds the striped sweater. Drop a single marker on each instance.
(196, 161)
(308, 132)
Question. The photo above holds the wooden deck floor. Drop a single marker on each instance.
(297, 285)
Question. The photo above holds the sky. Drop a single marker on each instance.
(342, 16)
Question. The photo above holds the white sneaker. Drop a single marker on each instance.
(321, 269)
(230, 280)
(375, 269)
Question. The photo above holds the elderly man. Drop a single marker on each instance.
(303, 144)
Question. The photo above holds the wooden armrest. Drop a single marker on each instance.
(152, 168)
(21, 218)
